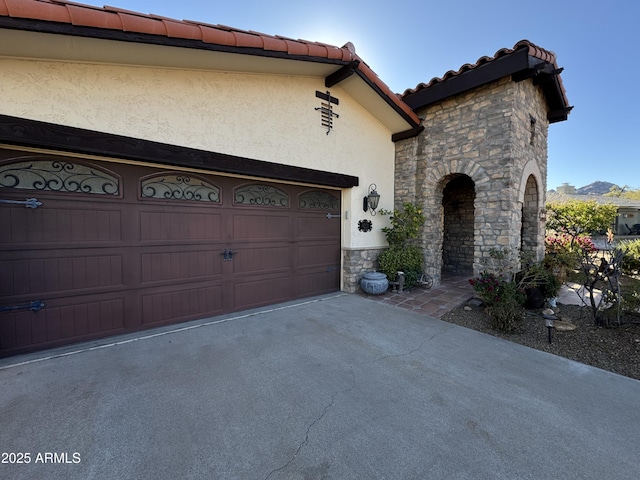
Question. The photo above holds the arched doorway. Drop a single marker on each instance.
(458, 199)
(529, 230)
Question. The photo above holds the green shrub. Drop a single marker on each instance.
(503, 298)
(631, 261)
(407, 259)
(405, 224)
(506, 315)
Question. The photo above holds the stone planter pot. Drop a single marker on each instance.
(374, 283)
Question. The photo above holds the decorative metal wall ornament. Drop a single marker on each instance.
(365, 225)
(319, 200)
(58, 176)
(326, 109)
(179, 187)
(263, 195)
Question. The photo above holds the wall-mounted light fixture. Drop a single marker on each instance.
(542, 214)
(370, 202)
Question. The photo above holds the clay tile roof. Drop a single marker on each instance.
(113, 18)
(532, 50)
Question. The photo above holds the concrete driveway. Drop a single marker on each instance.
(339, 387)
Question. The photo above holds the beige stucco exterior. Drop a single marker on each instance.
(260, 116)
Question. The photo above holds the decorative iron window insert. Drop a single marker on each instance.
(259, 194)
(179, 187)
(58, 176)
(319, 200)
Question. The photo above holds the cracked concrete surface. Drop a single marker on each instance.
(340, 387)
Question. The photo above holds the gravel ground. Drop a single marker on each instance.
(615, 349)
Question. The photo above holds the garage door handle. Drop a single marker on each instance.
(227, 255)
(34, 306)
(29, 202)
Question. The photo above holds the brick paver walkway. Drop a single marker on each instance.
(436, 301)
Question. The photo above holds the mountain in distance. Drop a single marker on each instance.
(595, 188)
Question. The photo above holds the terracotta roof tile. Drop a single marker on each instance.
(217, 36)
(180, 29)
(295, 48)
(92, 17)
(248, 40)
(138, 24)
(20, 9)
(274, 44)
(318, 50)
(115, 18)
(533, 50)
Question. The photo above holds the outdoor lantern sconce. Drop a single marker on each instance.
(370, 202)
(542, 214)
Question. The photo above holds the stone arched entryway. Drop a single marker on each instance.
(458, 197)
(530, 217)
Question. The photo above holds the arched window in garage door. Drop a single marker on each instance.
(171, 186)
(55, 175)
(258, 194)
(318, 199)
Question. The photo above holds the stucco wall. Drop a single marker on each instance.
(258, 116)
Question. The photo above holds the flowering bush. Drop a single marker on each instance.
(503, 298)
(564, 252)
(492, 289)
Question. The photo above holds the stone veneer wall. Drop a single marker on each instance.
(355, 262)
(496, 135)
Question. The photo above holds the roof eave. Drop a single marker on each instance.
(519, 65)
(396, 105)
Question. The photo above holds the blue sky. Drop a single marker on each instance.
(408, 42)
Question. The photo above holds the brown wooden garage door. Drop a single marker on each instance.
(116, 248)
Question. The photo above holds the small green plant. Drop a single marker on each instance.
(405, 224)
(631, 261)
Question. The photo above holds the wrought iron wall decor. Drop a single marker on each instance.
(365, 225)
(179, 187)
(259, 194)
(318, 199)
(326, 109)
(58, 176)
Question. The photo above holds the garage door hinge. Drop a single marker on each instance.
(29, 202)
(34, 306)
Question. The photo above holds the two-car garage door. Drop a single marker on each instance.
(115, 248)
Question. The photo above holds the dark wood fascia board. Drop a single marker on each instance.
(559, 115)
(160, 40)
(342, 74)
(413, 132)
(35, 134)
(388, 100)
(476, 77)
